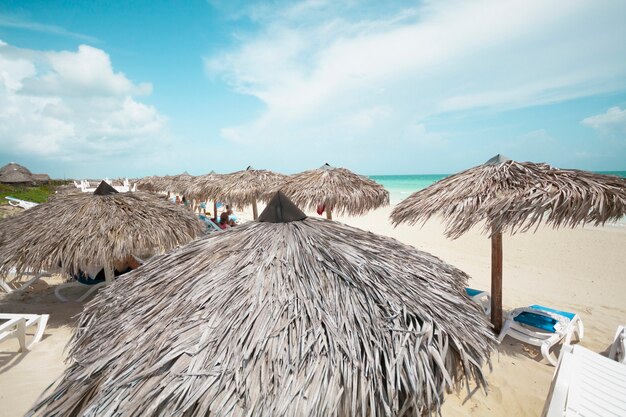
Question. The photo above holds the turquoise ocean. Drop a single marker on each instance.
(402, 186)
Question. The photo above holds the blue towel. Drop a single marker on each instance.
(472, 292)
(539, 321)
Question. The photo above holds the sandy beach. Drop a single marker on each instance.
(580, 270)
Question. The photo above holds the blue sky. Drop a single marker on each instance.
(96, 89)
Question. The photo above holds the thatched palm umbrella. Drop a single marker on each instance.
(150, 183)
(284, 316)
(248, 186)
(76, 232)
(514, 196)
(205, 187)
(337, 189)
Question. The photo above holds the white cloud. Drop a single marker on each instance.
(9, 21)
(72, 106)
(613, 120)
(319, 71)
(86, 72)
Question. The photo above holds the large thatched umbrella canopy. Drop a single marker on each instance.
(75, 232)
(508, 196)
(339, 190)
(246, 187)
(285, 316)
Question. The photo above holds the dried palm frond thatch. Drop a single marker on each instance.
(152, 183)
(167, 183)
(339, 190)
(203, 187)
(514, 196)
(246, 187)
(282, 317)
(76, 231)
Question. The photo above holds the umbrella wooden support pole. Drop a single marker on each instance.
(329, 214)
(496, 281)
(109, 275)
(215, 216)
(255, 210)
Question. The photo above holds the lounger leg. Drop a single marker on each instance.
(21, 334)
(504, 331)
(30, 282)
(91, 290)
(547, 345)
(41, 327)
(57, 290)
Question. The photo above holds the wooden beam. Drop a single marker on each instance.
(496, 281)
(109, 275)
(255, 210)
(329, 214)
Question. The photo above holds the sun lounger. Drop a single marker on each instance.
(542, 326)
(16, 202)
(586, 383)
(15, 285)
(15, 325)
(618, 348)
(210, 225)
(78, 284)
(82, 280)
(482, 298)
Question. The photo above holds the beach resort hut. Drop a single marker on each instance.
(77, 232)
(15, 174)
(508, 196)
(336, 190)
(287, 315)
(247, 187)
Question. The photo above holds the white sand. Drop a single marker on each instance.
(581, 270)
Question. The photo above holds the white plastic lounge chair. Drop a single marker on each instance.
(542, 326)
(15, 325)
(482, 298)
(83, 283)
(16, 202)
(15, 285)
(76, 284)
(618, 348)
(586, 383)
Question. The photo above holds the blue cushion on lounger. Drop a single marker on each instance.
(472, 292)
(539, 321)
(87, 280)
(551, 310)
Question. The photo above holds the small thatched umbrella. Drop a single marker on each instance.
(514, 196)
(75, 232)
(205, 187)
(150, 183)
(246, 187)
(337, 189)
(285, 316)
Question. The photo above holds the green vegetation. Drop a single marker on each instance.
(37, 194)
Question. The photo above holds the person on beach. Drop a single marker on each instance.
(224, 223)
